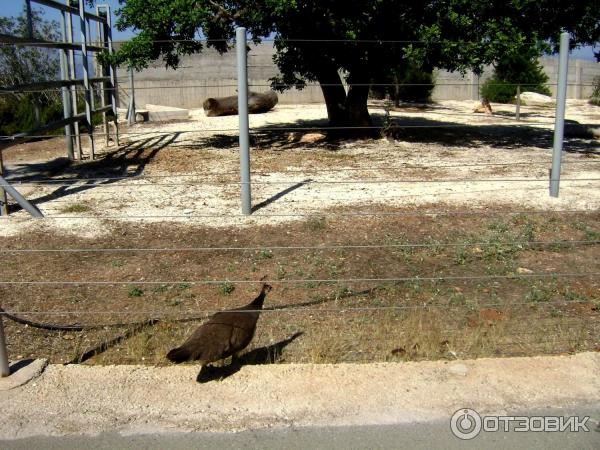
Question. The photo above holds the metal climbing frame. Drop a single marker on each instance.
(107, 80)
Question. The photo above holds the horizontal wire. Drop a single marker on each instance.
(293, 247)
(309, 170)
(304, 40)
(262, 129)
(297, 281)
(125, 88)
(303, 182)
(275, 309)
(315, 214)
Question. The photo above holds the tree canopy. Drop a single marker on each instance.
(316, 40)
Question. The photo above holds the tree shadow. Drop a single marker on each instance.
(263, 355)
(512, 136)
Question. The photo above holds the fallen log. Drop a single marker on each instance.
(226, 106)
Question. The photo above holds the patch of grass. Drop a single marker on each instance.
(76, 208)
(316, 224)
(161, 289)
(117, 263)
(265, 254)
(281, 273)
(135, 291)
(537, 294)
(226, 288)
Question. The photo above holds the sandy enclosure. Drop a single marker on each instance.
(187, 171)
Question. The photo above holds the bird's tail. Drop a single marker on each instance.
(179, 354)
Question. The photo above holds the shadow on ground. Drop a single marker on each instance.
(578, 138)
(263, 355)
(129, 160)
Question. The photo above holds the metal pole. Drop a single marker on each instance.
(578, 76)
(73, 75)
(4, 367)
(29, 19)
(86, 76)
(113, 72)
(242, 72)
(559, 122)
(3, 198)
(131, 110)
(100, 70)
(474, 86)
(518, 108)
(31, 209)
(66, 97)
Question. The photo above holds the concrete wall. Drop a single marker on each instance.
(212, 75)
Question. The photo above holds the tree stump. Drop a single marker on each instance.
(226, 106)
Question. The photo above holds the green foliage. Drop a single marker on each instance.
(513, 70)
(316, 40)
(407, 83)
(18, 115)
(595, 98)
(20, 65)
(226, 288)
(134, 291)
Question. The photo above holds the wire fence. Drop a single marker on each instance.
(548, 294)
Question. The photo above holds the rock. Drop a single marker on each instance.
(535, 99)
(483, 107)
(524, 270)
(311, 138)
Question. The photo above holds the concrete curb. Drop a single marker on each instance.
(22, 372)
(74, 399)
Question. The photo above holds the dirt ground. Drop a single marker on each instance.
(446, 194)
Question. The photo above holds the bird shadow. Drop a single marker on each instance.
(263, 355)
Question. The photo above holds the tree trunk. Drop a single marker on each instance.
(224, 106)
(335, 99)
(356, 107)
(345, 110)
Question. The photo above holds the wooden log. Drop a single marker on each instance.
(226, 106)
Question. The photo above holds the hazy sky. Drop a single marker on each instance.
(13, 7)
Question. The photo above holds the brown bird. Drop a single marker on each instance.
(225, 334)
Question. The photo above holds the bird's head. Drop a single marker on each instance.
(266, 288)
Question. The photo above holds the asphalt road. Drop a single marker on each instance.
(409, 435)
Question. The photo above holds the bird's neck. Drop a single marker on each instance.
(258, 301)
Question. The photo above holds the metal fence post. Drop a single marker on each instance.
(29, 13)
(3, 197)
(73, 75)
(4, 367)
(559, 122)
(108, 42)
(578, 76)
(518, 107)
(86, 76)
(66, 93)
(131, 110)
(242, 73)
